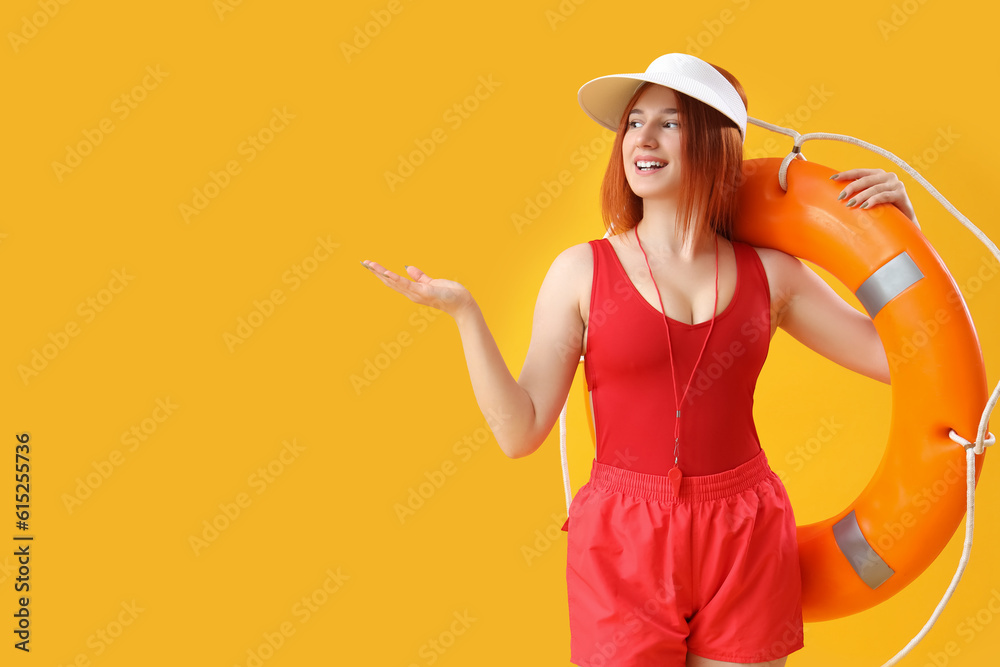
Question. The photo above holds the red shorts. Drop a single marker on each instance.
(713, 570)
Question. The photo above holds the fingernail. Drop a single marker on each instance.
(834, 177)
(842, 195)
(865, 205)
(851, 203)
(365, 265)
(406, 266)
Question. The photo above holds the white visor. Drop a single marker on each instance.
(604, 98)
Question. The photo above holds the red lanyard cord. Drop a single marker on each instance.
(675, 472)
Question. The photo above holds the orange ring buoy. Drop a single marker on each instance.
(880, 543)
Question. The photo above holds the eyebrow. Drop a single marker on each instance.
(639, 111)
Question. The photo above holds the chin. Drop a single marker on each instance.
(656, 193)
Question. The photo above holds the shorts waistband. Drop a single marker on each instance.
(693, 489)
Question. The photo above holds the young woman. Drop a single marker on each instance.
(681, 546)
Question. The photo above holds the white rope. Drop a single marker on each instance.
(565, 460)
(971, 449)
(983, 439)
(984, 420)
(979, 446)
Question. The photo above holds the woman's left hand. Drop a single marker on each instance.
(869, 187)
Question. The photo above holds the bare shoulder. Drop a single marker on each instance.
(579, 256)
(770, 256)
(573, 269)
(784, 272)
(574, 264)
(778, 266)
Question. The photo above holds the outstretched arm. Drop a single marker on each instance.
(520, 413)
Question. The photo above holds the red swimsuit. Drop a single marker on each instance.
(627, 367)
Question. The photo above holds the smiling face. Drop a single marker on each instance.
(708, 146)
(651, 147)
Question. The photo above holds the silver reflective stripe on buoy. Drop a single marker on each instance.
(869, 565)
(887, 282)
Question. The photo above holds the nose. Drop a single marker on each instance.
(645, 136)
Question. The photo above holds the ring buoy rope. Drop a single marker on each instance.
(881, 542)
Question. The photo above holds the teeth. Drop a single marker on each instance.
(644, 164)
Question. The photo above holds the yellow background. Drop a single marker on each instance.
(899, 74)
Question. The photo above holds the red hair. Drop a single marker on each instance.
(712, 156)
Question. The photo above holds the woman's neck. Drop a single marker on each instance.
(661, 235)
